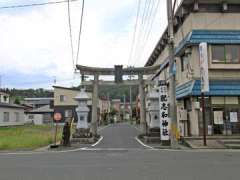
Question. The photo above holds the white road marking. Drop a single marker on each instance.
(140, 142)
(102, 128)
(97, 142)
(107, 149)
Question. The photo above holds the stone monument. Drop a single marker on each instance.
(152, 116)
(82, 133)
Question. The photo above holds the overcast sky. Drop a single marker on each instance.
(35, 45)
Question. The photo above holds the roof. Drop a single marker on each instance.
(38, 99)
(211, 37)
(3, 93)
(6, 105)
(217, 88)
(43, 109)
(67, 88)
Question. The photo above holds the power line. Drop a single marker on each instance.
(145, 33)
(41, 82)
(70, 33)
(80, 32)
(145, 7)
(149, 31)
(35, 4)
(144, 29)
(134, 33)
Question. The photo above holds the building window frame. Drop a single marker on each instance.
(62, 98)
(225, 49)
(17, 116)
(6, 116)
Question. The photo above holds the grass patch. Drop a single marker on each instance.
(27, 137)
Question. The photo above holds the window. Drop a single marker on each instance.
(225, 54)
(5, 98)
(62, 98)
(68, 113)
(184, 62)
(17, 116)
(232, 54)
(218, 54)
(31, 116)
(6, 116)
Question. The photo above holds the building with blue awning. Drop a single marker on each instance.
(216, 23)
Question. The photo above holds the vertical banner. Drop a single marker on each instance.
(203, 53)
(164, 116)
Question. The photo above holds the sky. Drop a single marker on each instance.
(35, 45)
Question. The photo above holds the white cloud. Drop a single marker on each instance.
(38, 42)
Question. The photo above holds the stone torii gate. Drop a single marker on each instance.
(118, 71)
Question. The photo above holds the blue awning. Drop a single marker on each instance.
(217, 88)
(211, 37)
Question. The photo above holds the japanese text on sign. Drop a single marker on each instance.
(164, 116)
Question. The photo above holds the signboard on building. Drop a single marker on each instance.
(233, 117)
(203, 59)
(218, 117)
(164, 116)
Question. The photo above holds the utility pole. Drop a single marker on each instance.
(130, 99)
(172, 81)
(124, 106)
(108, 108)
(0, 81)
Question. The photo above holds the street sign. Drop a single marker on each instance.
(203, 54)
(164, 116)
(57, 116)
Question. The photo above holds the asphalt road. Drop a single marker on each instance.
(120, 135)
(132, 162)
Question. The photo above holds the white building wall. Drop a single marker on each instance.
(12, 116)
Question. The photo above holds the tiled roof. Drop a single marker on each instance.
(209, 36)
(217, 88)
(6, 105)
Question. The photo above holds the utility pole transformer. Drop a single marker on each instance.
(172, 81)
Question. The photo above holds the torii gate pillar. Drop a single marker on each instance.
(94, 122)
(143, 123)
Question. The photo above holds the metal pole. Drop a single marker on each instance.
(55, 138)
(0, 81)
(124, 105)
(130, 94)
(172, 82)
(108, 109)
(204, 120)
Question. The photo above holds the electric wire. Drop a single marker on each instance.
(80, 32)
(145, 29)
(70, 33)
(149, 31)
(35, 4)
(135, 31)
(141, 27)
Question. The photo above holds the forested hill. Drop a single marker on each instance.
(117, 92)
(114, 92)
(29, 93)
